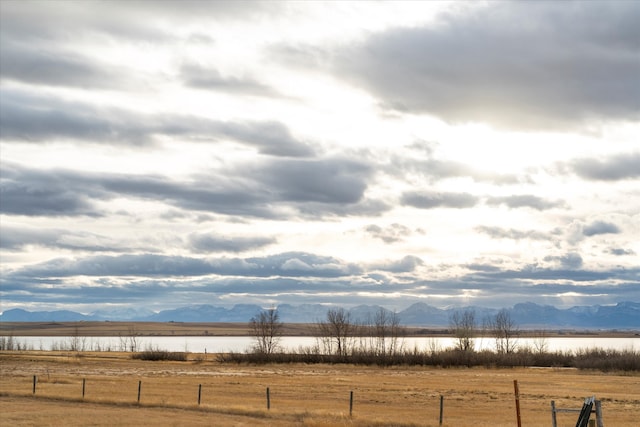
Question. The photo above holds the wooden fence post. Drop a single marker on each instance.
(83, 384)
(35, 380)
(351, 403)
(554, 422)
(599, 421)
(139, 389)
(199, 392)
(441, 409)
(268, 399)
(517, 393)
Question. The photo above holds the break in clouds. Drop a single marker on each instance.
(181, 153)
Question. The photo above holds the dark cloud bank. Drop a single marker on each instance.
(564, 65)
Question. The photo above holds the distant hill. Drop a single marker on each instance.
(624, 315)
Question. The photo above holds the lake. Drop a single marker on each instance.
(220, 344)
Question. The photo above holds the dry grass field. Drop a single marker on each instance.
(301, 395)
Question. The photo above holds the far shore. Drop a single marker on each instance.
(107, 328)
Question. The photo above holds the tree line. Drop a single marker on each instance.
(338, 334)
(380, 334)
(379, 340)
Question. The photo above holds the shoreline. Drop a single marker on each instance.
(167, 329)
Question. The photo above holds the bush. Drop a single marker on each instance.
(607, 360)
(158, 354)
(600, 359)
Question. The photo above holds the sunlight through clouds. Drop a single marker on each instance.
(319, 152)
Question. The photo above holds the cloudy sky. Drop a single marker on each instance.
(162, 154)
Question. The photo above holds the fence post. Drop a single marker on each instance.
(599, 421)
(351, 403)
(441, 409)
(83, 384)
(35, 380)
(554, 422)
(517, 393)
(268, 399)
(139, 389)
(199, 392)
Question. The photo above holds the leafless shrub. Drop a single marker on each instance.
(156, 354)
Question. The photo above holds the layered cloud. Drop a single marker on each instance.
(569, 64)
(614, 168)
(261, 152)
(35, 119)
(330, 185)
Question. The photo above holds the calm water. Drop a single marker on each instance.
(240, 344)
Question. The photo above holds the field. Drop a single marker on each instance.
(300, 395)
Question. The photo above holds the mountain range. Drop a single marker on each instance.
(624, 315)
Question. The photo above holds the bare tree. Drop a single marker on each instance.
(540, 342)
(267, 331)
(463, 325)
(385, 331)
(130, 341)
(504, 330)
(337, 331)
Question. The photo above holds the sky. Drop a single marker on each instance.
(164, 154)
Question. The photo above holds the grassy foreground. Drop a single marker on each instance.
(307, 395)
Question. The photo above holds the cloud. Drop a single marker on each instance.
(431, 200)
(436, 170)
(209, 78)
(391, 234)
(569, 273)
(405, 265)
(569, 65)
(269, 137)
(137, 21)
(620, 251)
(35, 193)
(17, 238)
(525, 201)
(613, 168)
(226, 189)
(290, 264)
(572, 260)
(600, 227)
(269, 189)
(33, 118)
(297, 277)
(211, 242)
(58, 68)
(510, 233)
(332, 180)
(68, 193)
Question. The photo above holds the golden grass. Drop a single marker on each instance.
(308, 395)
